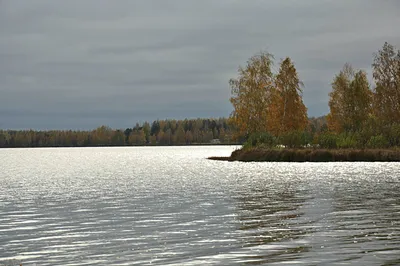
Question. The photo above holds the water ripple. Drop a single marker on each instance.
(170, 206)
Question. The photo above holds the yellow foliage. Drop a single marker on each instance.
(350, 100)
(263, 101)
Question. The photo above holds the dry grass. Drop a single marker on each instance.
(313, 155)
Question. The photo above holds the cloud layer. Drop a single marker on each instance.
(80, 64)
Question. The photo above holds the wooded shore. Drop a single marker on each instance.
(312, 155)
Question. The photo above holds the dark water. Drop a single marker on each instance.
(170, 206)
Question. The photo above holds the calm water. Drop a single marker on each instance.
(171, 206)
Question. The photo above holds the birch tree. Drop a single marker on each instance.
(386, 74)
(350, 100)
(287, 107)
(251, 93)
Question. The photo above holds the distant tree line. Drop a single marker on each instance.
(269, 110)
(160, 132)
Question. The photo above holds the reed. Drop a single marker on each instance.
(313, 155)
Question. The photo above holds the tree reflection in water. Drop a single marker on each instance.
(271, 222)
(366, 215)
(345, 219)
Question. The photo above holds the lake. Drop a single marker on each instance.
(172, 206)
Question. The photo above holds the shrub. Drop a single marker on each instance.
(263, 139)
(294, 139)
(348, 141)
(394, 135)
(327, 141)
(378, 142)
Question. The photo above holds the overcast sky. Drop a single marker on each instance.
(80, 64)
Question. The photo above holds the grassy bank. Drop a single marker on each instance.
(313, 155)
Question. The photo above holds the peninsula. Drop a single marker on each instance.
(363, 123)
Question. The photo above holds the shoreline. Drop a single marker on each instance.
(122, 146)
(312, 155)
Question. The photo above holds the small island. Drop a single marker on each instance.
(271, 119)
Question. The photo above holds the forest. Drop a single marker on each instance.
(159, 132)
(268, 111)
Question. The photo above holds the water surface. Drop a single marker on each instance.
(171, 206)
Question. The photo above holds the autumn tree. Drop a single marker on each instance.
(350, 100)
(118, 138)
(146, 129)
(287, 111)
(180, 136)
(251, 93)
(188, 137)
(386, 74)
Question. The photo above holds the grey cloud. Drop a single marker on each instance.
(80, 64)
